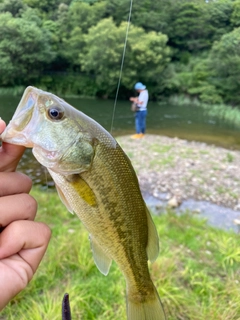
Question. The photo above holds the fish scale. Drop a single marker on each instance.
(95, 180)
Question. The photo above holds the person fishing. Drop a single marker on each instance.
(141, 110)
(23, 241)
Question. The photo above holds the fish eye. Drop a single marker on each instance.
(55, 113)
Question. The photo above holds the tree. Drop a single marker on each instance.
(235, 17)
(15, 7)
(191, 25)
(187, 28)
(73, 46)
(24, 50)
(43, 5)
(224, 62)
(146, 56)
(193, 80)
(84, 15)
(149, 14)
(220, 13)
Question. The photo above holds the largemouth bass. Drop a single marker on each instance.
(94, 179)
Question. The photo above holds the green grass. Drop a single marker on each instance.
(229, 157)
(197, 273)
(164, 162)
(13, 91)
(160, 148)
(162, 157)
(223, 112)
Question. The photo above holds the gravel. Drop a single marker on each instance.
(185, 169)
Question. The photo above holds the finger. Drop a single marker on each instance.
(10, 282)
(17, 270)
(14, 183)
(17, 207)
(2, 125)
(10, 155)
(27, 238)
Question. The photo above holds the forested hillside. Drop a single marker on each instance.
(185, 47)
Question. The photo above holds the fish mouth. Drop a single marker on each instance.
(20, 139)
(18, 131)
(47, 158)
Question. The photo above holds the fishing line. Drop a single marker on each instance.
(122, 63)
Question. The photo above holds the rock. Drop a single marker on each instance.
(174, 202)
(197, 211)
(237, 221)
(237, 207)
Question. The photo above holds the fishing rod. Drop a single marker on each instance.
(122, 63)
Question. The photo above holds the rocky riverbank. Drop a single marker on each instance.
(185, 169)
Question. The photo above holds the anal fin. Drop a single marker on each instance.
(153, 240)
(102, 261)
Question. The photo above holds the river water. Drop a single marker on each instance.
(184, 122)
(187, 122)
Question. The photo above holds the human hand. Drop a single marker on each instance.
(9, 154)
(134, 99)
(23, 242)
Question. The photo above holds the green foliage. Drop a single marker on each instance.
(192, 79)
(183, 15)
(84, 15)
(43, 5)
(196, 273)
(12, 91)
(74, 43)
(235, 17)
(24, 50)
(69, 84)
(223, 112)
(224, 62)
(184, 47)
(15, 7)
(220, 13)
(227, 113)
(103, 51)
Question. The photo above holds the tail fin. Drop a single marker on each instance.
(151, 309)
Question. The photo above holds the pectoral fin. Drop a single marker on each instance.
(153, 241)
(83, 189)
(102, 261)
